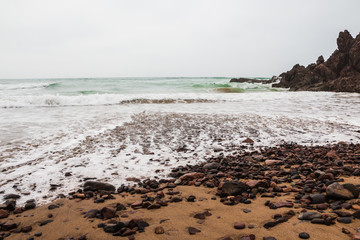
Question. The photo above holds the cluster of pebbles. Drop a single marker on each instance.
(311, 176)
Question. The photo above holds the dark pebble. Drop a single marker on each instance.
(345, 220)
(193, 230)
(304, 235)
(46, 222)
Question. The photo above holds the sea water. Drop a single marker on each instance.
(114, 128)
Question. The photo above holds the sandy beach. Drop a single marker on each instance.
(191, 207)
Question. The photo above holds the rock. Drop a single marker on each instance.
(8, 226)
(239, 225)
(248, 140)
(337, 191)
(137, 204)
(247, 237)
(345, 220)
(269, 238)
(92, 213)
(53, 206)
(356, 214)
(317, 198)
(283, 204)
(192, 176)
(38, 234)
(257, 183)
(9, 205)
(342, 213)
(94, 185)
(352, 188)
(46, 222)
(159, 230)
(11, 196)
(318, 221)
(193, 231)
(234, 188)
(212, 165)
(304, 235)
(250, 80)
(191, 198)
(107, 213)
(272, 162)
(30, 205)
(309, 215)
(26, 229)
(3, 213)
(339, 73)
(271, 224)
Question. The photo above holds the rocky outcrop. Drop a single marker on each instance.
(340, 73)
(250, 80)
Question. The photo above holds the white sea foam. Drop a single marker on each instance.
(114, 136)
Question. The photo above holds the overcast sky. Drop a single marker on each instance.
(137, 38)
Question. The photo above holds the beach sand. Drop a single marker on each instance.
(176, 218)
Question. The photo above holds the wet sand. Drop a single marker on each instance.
(176, 218)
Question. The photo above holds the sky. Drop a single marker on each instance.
(168, 38)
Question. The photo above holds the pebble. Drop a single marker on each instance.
(159, 230)
(46, 222)
(304, 235)
(345, 220)
(239, 225)
(193, 231)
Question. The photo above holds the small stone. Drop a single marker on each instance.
(26, 229)
(239, 225)
(99, 200)
(107, 213)
(3, 213)
(38, 234)
(11, 196)
(318, 198)
(193, 230)
(99, 186)
(356, 214)
(46, 222)
(345, 220)
(159, 230)
(191, 198)
(269, 238)
(53, 206)
(8, 226)
(337, 191)
(30, 205)
(344, 230)
(304, 235)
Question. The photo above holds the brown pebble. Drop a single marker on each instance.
(159, 230)
(26, 229)
(193, 230)
(239, 225)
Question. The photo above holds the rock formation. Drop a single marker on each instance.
(340, 73)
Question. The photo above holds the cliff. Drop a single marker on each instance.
(339, 73)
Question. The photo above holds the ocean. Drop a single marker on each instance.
(111, 129)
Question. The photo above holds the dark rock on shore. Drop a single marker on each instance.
(339, 73)
(234, 188)
(94, 185)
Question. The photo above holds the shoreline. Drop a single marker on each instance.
(267, 189)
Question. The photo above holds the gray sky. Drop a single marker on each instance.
(137, 38)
